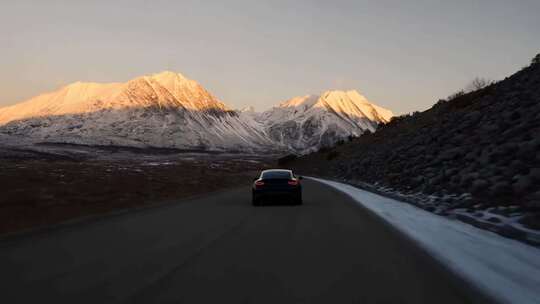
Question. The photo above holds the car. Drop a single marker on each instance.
(277, 185)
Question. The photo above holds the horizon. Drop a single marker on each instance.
(403, 57)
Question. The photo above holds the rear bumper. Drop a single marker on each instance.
(277, 193)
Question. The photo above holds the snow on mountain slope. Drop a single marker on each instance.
(170, 110)
(160, 110)
(306, 123)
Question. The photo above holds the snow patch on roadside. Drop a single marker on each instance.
(506, 269)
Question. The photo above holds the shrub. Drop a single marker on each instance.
(535, 60)
(456, 95)
(441, 102)
(478, 84)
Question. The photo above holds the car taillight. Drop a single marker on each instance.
(293, 182)
(259, 183)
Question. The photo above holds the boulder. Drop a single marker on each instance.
(451, 154)
(517, 167)
(471, 156)
(521, 184)
(479, 186)
(501, 188)
(527, 151)
(534, 173)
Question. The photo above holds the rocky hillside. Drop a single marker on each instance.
(475, 151)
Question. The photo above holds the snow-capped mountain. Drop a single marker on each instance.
(306, 123)
(170, 110)
(160, 110)
(248, 109)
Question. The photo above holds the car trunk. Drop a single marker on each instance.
(276, 184)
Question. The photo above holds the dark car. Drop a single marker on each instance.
(277, 185)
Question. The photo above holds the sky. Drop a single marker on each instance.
(402, 55)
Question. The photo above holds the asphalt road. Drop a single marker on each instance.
(220, 249)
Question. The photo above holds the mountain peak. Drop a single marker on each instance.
(168, 75)
(350, 95)
(164, 89)
(168, 78)
(159, 110)
(341, 91)
(352, 103)
(307, 100)
(248, 109)
(327, 97)
(306, 123)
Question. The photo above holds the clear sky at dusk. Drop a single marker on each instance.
(403, 55)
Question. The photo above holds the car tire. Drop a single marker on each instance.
(255, 202)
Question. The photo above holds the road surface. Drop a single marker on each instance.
(220, 249)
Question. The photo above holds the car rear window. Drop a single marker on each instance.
(276, 175)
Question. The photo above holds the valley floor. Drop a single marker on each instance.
(48, 185)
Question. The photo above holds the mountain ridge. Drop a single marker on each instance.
(185, 115)
(158, 110)
(306, 123)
